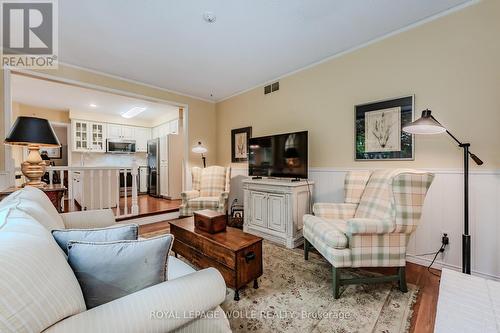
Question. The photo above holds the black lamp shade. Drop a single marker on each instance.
(32, 131)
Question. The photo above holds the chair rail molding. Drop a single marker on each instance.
(442, 214)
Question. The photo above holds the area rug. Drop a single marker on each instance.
(295, 295)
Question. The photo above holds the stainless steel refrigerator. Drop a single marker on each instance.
(165, 166)
(154, 167)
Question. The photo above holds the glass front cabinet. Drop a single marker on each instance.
(88, 136)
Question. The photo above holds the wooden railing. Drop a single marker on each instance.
(98, 188)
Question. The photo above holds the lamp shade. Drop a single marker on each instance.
(425, 125)
(32, 131)
(199, 149)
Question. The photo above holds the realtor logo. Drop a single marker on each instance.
(29, 33)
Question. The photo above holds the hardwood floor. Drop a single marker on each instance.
(424, 310)
(149, 205)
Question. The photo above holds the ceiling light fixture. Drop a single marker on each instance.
(133, 112)
(209, 17)
(92, 105)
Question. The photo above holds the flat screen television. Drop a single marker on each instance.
(282, 155)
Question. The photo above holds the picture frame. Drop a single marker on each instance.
(52, 153)
(239, 144)
(378, 130)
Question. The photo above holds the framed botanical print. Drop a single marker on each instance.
(379, 130)
(239, 144)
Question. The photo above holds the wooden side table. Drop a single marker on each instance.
(54, 192)
(234, 253)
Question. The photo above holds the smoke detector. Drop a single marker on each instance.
(209, 17)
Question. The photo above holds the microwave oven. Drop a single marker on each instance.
(116, 146)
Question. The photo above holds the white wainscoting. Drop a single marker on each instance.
(443, 212)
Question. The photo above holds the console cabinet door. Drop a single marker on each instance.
(276, 212)
(258, 201)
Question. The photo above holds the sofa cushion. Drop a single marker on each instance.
(38, 287)
(213, 181)
(110, 270)
(36, 203)
(325, 231)
(204, 203)
(109, 234)
(178, 268)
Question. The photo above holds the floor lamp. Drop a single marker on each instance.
(427, 124)
(200, 149)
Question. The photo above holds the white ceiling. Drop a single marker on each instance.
(167, 43)
(49, 94)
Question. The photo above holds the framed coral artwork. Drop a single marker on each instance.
(378, 130)
(239, 144)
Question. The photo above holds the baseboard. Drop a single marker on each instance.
(440, 265)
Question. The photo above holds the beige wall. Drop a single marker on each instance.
(452, 65)
(19, 109)
(202, 120)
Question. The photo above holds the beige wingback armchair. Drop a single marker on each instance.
(210, 190)
(372, 227)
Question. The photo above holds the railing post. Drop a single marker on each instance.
(125, 199)
(61, 178)
(91, 189)
(71, 198)
(135, 204)
(100, 189)
(109, 189)
(117, 175)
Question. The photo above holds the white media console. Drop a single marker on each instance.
(274, 209)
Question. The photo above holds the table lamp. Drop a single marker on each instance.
(33, 133)
(200, 149)
(427, 124)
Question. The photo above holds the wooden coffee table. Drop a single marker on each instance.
(236, 254)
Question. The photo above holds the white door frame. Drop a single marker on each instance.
(9, 163)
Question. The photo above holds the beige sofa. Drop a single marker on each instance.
(39, 292)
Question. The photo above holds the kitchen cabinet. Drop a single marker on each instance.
(142, 135)
(174, 126)
(114, 131)
(128, 132)
(88, 136)
(123, 132)
(274, 209)
(155, 132)
(170, 127)
(80, 133)
(97, 137)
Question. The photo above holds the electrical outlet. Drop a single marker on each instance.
(445, 241)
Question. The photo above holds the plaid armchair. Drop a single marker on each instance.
(210, 190)
(372, 227)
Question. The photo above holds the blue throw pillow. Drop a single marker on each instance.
(109, 234)
(110, 270)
